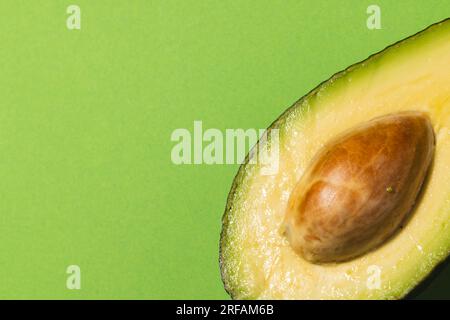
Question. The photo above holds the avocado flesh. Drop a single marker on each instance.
(257, 262)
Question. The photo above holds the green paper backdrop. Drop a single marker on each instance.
(86, 116)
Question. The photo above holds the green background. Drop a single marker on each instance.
(86, 118)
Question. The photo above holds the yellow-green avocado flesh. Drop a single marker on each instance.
(256, 260)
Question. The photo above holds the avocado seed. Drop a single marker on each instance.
(360, 188)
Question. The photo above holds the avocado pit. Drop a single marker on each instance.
(359, 188)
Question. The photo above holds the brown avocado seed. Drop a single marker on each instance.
(359, 188)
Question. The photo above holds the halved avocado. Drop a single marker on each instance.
(257, 261)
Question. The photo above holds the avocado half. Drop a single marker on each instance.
(257, 261)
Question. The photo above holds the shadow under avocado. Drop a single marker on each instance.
(435, 286)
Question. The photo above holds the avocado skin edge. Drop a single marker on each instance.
(275, 124)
